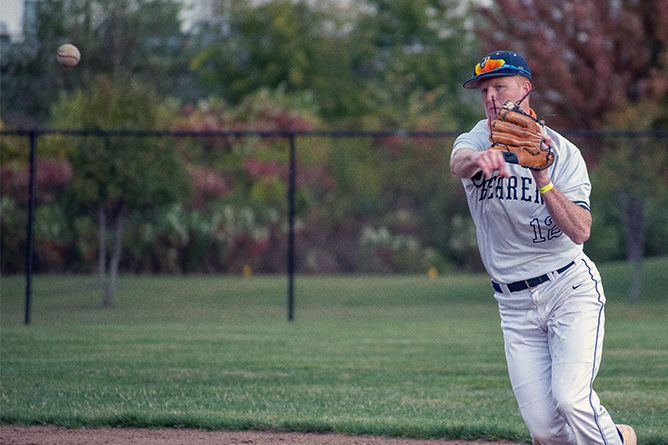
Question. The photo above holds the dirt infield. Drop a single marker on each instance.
(53, 435)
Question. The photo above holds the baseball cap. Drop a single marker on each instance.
(499, 63)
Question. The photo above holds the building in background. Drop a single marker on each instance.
(11, 19)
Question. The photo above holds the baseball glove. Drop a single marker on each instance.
(520, 136)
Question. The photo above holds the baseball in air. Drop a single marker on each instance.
(68, 55)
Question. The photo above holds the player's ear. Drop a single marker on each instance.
(525, 84)
(525, 88)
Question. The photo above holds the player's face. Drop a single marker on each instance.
(496, 91)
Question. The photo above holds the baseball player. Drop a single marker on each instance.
(530, 226)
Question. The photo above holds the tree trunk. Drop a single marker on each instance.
(102, 245)
(110, 287)
(634, 215)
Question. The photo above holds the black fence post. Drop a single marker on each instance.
(31, 224)
(291, 229)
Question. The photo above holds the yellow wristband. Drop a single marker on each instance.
(547, 188)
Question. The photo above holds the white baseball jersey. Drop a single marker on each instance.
(516, 236)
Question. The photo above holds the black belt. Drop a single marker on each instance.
(531, 282)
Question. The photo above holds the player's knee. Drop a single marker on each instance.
(568, 404)
(545, 427)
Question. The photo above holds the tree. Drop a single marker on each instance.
(360, 60)
(118, 175)
(635, 192)
(271, 44)
(588, 59)
(601, 64)
(415, 48)
(138, 37)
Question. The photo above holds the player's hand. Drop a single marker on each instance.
(490, 161)
(540, 176)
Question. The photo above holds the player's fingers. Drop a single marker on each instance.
(502, 166)
(497, 163)
(484, 164)
(502, 170)
(490, 161)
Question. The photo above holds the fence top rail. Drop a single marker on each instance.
(656, 133)
(231, 133)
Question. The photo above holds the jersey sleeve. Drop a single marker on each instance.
(570, 172)
(477, 139)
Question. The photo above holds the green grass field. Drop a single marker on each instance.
(384, 355)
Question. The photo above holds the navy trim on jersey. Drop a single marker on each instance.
(593, 368)
(583, 204)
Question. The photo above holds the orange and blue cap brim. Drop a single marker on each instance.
(506, 70)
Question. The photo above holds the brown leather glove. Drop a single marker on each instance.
(520, 136)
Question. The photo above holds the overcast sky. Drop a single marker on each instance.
(10, 13)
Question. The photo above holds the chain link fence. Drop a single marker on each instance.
(274, 201)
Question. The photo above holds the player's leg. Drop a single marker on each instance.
(576, 329)
(529, 368)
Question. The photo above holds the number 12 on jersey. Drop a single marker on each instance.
(545, 231)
